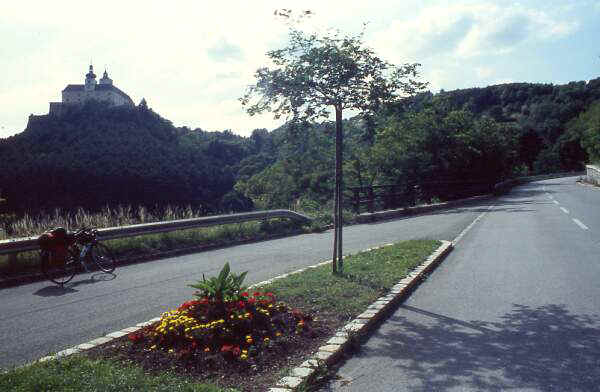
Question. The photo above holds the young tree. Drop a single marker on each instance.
(318, 73)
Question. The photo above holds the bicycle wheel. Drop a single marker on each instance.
(59, 271)
(103, 258)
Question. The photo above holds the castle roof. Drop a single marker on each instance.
(99, 87)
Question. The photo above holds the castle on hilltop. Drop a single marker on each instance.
(102, 91)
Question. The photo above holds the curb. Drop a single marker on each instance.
(335, 346)
(332, 352)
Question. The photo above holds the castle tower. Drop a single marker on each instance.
(105, 79)
(90, 79)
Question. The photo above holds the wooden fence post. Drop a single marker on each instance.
(371, 199)
(356, 200)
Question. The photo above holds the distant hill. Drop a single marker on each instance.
(98, 155)
(541, 111)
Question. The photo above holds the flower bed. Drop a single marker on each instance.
(236, 329)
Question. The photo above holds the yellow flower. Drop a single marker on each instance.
(243, 357)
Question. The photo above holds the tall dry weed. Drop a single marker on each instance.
(33, 225)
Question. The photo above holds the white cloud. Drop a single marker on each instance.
(484, 72)
(468, 29)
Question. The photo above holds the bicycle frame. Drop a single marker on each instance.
(83, 252)
(82, 247)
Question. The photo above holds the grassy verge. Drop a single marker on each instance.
(333, 300)
(78, 373)
(367, 276)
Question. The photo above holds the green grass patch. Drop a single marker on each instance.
(367, 276)
(78, 373)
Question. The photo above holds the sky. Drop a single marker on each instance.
(191, 60)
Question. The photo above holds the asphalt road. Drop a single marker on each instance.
(41, 318)
(515, 307)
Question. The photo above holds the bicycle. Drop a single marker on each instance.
(62, 258)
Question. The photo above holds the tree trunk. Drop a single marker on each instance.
(337, 263)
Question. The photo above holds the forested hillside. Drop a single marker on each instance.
(479, 134)
(95, 155)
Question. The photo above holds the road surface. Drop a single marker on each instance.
(515, 306)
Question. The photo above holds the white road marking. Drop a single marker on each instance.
(564, 210)
(462, 233)
(578, 223)
(555, 202)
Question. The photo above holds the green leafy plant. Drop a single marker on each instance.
(225, 287)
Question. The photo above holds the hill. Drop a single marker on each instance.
(97, 155)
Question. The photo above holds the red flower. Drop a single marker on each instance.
(269, 294)
(135, 336)
(226, 347)
(241, 304)
(245, 294)
(235, 350)
(256, 294)
(189, 304)
(251, 301)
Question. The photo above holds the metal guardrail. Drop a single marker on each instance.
(592, 174)
(17, 245)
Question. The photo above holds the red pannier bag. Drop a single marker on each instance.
(55, 243)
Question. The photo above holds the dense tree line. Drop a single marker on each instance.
(96, 155)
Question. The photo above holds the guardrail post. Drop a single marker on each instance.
(12, 263)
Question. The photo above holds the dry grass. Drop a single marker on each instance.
(32, 225)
